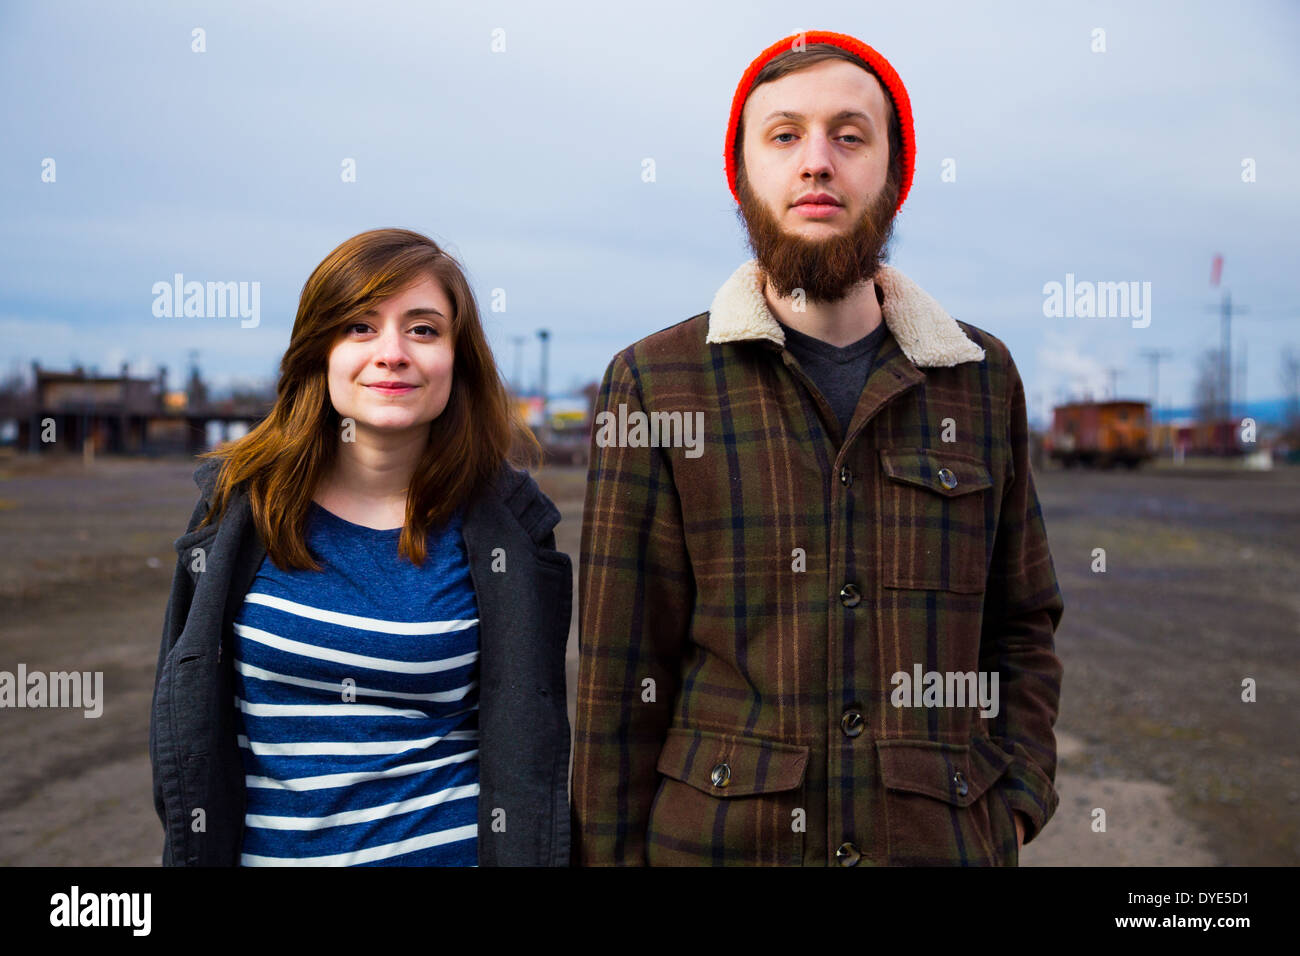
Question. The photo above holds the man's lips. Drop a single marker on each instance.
(812, 210)
(817, 206)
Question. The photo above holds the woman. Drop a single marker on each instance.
(362, 661)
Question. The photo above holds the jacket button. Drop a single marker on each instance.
(847, 854)
(846, 476)
(947, 478)
(850, 596)
(852, 723)
(721, 775)
(960, 781)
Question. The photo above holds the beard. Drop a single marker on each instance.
(825, 269)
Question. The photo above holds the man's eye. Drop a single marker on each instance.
(851, 136)
(779, 135)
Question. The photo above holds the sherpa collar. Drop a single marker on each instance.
(927, 334)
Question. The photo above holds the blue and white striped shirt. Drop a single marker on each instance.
(356, 691)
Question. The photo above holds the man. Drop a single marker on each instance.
(782, 628)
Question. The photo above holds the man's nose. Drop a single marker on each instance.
(816, 157)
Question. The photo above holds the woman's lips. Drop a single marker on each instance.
(392, 389)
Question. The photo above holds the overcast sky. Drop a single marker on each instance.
(1117, 166)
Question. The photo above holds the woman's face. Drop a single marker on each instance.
(404, 339)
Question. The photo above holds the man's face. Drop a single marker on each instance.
(819, 133)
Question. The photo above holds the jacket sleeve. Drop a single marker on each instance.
(178, 605)
(1023, 607)
(637, 595)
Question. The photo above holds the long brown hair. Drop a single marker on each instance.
(285, 457)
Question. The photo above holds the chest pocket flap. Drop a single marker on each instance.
(944, 473)
(937, 518)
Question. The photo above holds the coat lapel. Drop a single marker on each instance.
(927, 335)
(251, 548)
(891, 375)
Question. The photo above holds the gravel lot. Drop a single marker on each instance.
(1200, 591)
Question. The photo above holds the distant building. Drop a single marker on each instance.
(66, 411)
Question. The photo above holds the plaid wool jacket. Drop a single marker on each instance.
(746, 604)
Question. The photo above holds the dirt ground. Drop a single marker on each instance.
(1199, 592)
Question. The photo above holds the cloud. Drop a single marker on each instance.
(1067, 371)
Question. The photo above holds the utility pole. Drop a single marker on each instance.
(1114, 373)
(1226, 311)
(1241, 380)
(516, 379)
(1225, 352)
(545, 336)
(1154, 356)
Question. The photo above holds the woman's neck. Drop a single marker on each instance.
(369, 479)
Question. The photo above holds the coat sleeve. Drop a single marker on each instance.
(178, 605)
(1023, 607)
(637, 595)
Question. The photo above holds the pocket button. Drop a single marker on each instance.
(847, 854)
(962, 787)
(721, 775)
(947, 478)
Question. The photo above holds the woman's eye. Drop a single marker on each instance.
(424, 330)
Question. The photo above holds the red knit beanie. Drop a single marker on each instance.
(884, 72)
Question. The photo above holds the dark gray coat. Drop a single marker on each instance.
(524, 615)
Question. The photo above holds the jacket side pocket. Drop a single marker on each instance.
(939, 805)
(728, 799)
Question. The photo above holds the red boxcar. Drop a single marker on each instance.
(1101, 434)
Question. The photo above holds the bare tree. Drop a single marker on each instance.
(13, 383)
(1289, 374)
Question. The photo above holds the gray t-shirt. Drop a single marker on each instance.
(838, 373)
